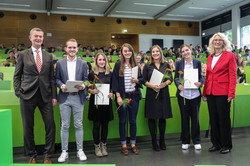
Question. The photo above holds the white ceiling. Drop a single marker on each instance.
(191, 10)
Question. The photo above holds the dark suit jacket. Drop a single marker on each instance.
(27, 80)
(62, 77)
(180, 65)
(222, 79)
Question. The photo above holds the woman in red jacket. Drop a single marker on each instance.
(219, 90)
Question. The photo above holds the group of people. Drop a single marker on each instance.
(35, 84)
(241, 63)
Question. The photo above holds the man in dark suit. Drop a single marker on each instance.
(34, 83)
(87, 54)
(73, 69)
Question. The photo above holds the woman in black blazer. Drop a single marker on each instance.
(126, 86)
(189, 99)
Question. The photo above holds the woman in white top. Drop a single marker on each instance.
(189, 99)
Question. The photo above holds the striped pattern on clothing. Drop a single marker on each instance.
(129, 87)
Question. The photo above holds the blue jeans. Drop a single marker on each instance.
(132, 110)
(72, 104)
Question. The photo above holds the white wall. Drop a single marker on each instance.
(145, 40)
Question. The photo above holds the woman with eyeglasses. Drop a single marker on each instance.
(219, 90)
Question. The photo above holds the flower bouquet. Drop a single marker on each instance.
(181, 80)
(92, 85)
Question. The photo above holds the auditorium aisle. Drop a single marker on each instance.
(173, 156)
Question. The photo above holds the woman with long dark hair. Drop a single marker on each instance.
(127, 87)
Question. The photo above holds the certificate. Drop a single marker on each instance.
(135, 73)
(190, 77)
(70, 85)
(102, 97)
(156, 77)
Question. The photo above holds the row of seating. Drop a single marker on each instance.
(7, 83)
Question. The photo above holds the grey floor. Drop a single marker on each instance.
(173, 156)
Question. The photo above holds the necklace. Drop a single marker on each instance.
(218, 54)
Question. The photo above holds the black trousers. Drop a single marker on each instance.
(190, 110)
(219, 113)
(27, 111)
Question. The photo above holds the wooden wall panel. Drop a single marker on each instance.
(132, 39)
(9, 21)
(23, 33)
(63, 34)
(55, 23)
(135, 43)
(8, 40)
(25, 40)
(166, 30)
(15, 27)
(98, 26)
(25, 23)
(119, 41)
(8, 32)
(50, 42)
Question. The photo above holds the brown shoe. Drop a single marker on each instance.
(125, 151)
(135, 150)
(47, 160)
(32, 161)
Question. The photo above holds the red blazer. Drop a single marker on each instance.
(222, 79)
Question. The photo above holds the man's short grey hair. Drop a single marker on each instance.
(35, 29)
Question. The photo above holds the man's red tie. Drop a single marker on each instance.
(38, 61)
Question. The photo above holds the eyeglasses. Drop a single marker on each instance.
(218, 40)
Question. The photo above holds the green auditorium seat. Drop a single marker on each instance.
(242, 53)
(58, 53)
(247, 72)
(4, 56)
(5, 84)
(165, 52)
(114, 58)
(87, 59)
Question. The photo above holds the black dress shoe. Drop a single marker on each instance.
(155, 146)
(225, 150)
(162, 145)
(213, 149)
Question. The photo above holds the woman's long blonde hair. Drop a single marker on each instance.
(226, 43)
(151, 59)
(132, 60)
(106, 67)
